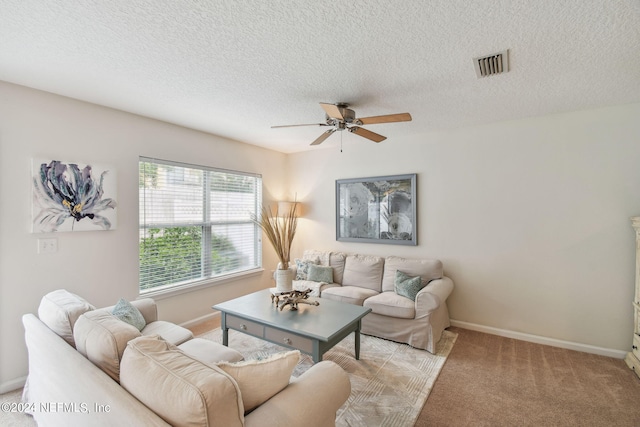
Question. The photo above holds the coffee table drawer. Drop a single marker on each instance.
(245, 326)
(287, 338)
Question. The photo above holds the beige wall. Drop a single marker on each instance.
(530, 217)
(100, 266)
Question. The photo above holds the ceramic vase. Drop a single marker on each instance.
(284, 280)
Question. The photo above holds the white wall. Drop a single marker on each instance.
(530, 217)
(100, 266)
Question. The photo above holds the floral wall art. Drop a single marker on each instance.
(72, 197)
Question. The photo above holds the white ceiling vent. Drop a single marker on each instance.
(490, 65)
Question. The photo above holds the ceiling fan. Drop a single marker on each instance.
(340, 117)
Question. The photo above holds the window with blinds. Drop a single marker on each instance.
(195, 223)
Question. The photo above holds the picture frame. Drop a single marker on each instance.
(69, 196)
(381, 209)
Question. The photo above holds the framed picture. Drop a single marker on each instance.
(72, 197)
(380, 209)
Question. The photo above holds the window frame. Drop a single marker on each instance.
(206, 225)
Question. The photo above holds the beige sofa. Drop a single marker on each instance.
(87, 367)
(370, 281)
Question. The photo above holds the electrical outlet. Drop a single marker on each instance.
(46, 246)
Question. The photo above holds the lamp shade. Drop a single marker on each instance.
(285, 207)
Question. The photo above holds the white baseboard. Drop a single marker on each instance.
(11, 385)
(569, 345)
(198, 320)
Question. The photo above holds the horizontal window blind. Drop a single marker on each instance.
(195, 223)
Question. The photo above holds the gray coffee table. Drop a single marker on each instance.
(311, 329)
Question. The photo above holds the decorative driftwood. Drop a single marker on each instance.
(293, 298)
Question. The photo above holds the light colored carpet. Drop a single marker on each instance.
(497, 381)
(9, 416)
(389, 384)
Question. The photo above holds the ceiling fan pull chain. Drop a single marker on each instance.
(341, 142)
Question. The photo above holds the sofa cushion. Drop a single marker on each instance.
(179, 388)
(259, 380)
(336, 260)
(302, 267)
(349, 294)
(333, 259)
(427, 269)
(407, 286)
(210, 352)
(60, 310)
(101, 337)
(169, 331)
(364, 271)
(320, 273)
(392, 305)
(128, 313)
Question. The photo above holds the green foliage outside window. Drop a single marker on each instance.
(171, 255)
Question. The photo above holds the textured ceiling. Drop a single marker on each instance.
(234, 68)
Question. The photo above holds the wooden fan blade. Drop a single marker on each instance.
(332, 111)
(322, 137)
(389, 118)
(293, 126)
(367, 134)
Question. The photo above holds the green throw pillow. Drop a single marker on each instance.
(320, 273)
(128, 313)
(407, 286)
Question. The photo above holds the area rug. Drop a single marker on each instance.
(389, 384)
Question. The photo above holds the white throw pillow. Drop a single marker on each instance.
(259, 380)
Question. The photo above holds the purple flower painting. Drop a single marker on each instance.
(69, 198)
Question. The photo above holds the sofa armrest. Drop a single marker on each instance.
(431, 296)
(58, 373)
(148, 308)
(311, 399)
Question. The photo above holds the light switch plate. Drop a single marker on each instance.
(46, 246)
